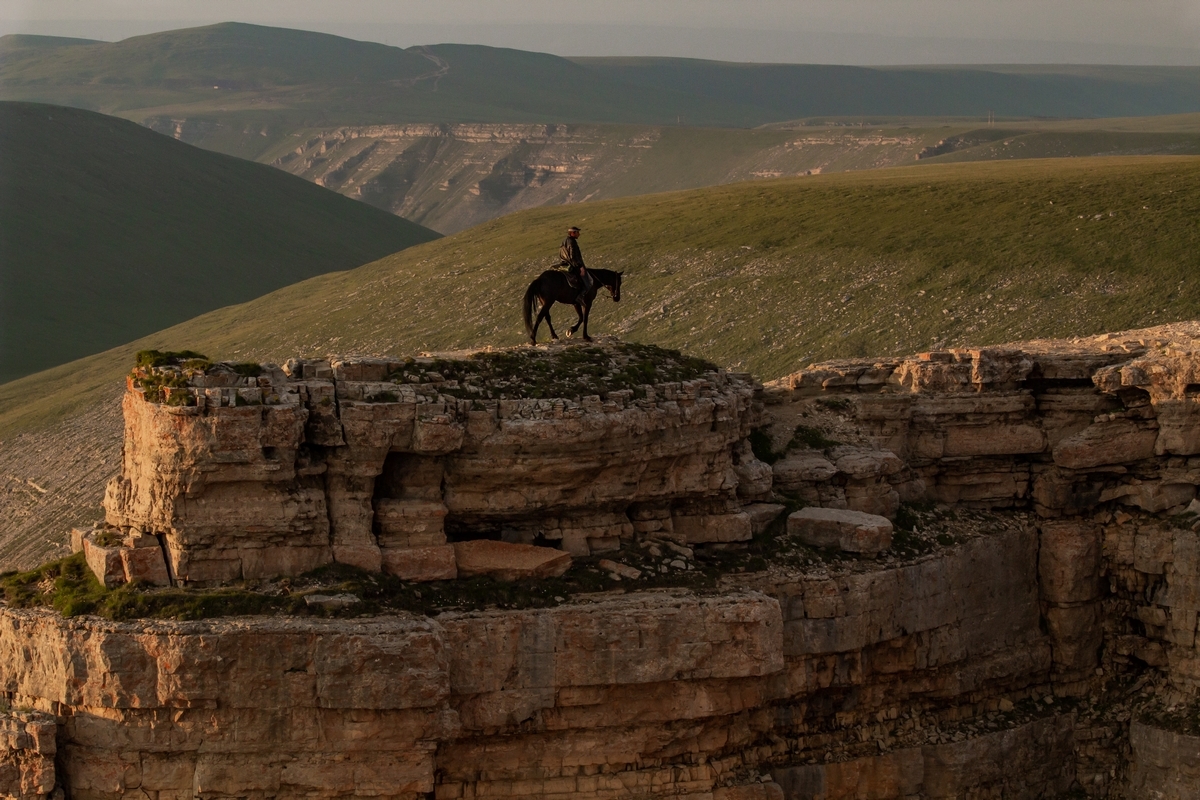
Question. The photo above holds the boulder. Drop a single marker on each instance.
(507, 561)
(803, 467)
(852, 531)
(434, 563)
(145, 564)
(105, 562)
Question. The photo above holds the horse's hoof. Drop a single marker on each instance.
(570, 335)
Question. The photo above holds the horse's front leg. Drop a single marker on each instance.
(575, 328)
(587, 312)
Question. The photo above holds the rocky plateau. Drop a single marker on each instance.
(969, 573)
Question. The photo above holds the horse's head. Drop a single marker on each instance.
(615, 288)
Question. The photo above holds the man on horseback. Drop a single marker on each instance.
(570, 257)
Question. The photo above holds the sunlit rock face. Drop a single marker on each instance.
(972, 573)
(373, 463)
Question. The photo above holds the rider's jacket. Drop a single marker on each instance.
(569, 254)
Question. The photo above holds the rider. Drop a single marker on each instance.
(570, 257)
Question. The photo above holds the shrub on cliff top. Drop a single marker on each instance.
(159, 358)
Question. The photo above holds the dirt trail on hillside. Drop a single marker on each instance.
(53, 479)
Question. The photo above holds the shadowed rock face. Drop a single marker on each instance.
(352, 462)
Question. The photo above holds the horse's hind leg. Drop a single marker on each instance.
(544, 314)
(587, 312)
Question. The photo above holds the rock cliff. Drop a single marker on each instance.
(374, 463)
(1022, 624)
(451, 177)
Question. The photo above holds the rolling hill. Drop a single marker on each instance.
(766, 276)
(291, 78)
(109, 231)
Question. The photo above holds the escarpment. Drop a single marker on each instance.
(373, 463)
(970, 573)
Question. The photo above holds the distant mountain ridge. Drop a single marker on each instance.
(109, 231)
(319, 79)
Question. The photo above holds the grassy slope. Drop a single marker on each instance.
(1065, 144)
(766, 276)
(109, 231)
(318, 78)
(783, 91)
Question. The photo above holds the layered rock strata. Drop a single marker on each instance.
(1041, 646)
(372, 463)
(653, 694)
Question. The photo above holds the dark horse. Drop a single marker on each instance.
(551, 287)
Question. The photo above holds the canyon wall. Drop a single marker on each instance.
(450, 177)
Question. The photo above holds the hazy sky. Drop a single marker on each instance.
(812, 31)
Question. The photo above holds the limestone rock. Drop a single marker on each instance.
(105, 562)
(762, 515)
(27, 751)
(506, 561)
(802, 467)
(713, 528)
(436, 563)
(851, 531)
(1069, 561)
(345, 460)
(1116, 442)
(145, 565)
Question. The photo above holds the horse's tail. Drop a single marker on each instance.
(530, 295)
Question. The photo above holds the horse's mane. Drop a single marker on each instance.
(603, 274)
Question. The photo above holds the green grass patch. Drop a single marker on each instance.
(189, 359)
(568, 372)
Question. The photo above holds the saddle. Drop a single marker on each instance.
(575, 283)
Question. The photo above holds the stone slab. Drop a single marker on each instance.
(435, 563)
(851, 531)
(710, 528)
(105, 562)
(508, 561)
(145, 564)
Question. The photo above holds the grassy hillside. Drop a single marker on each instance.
(766, 276)
(294, 78)
(785, 91)
(1002, 144)
(109, 231)
(278, 72)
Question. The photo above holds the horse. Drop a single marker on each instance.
(551, 287)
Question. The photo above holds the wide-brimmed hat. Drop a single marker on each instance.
(573, 229)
